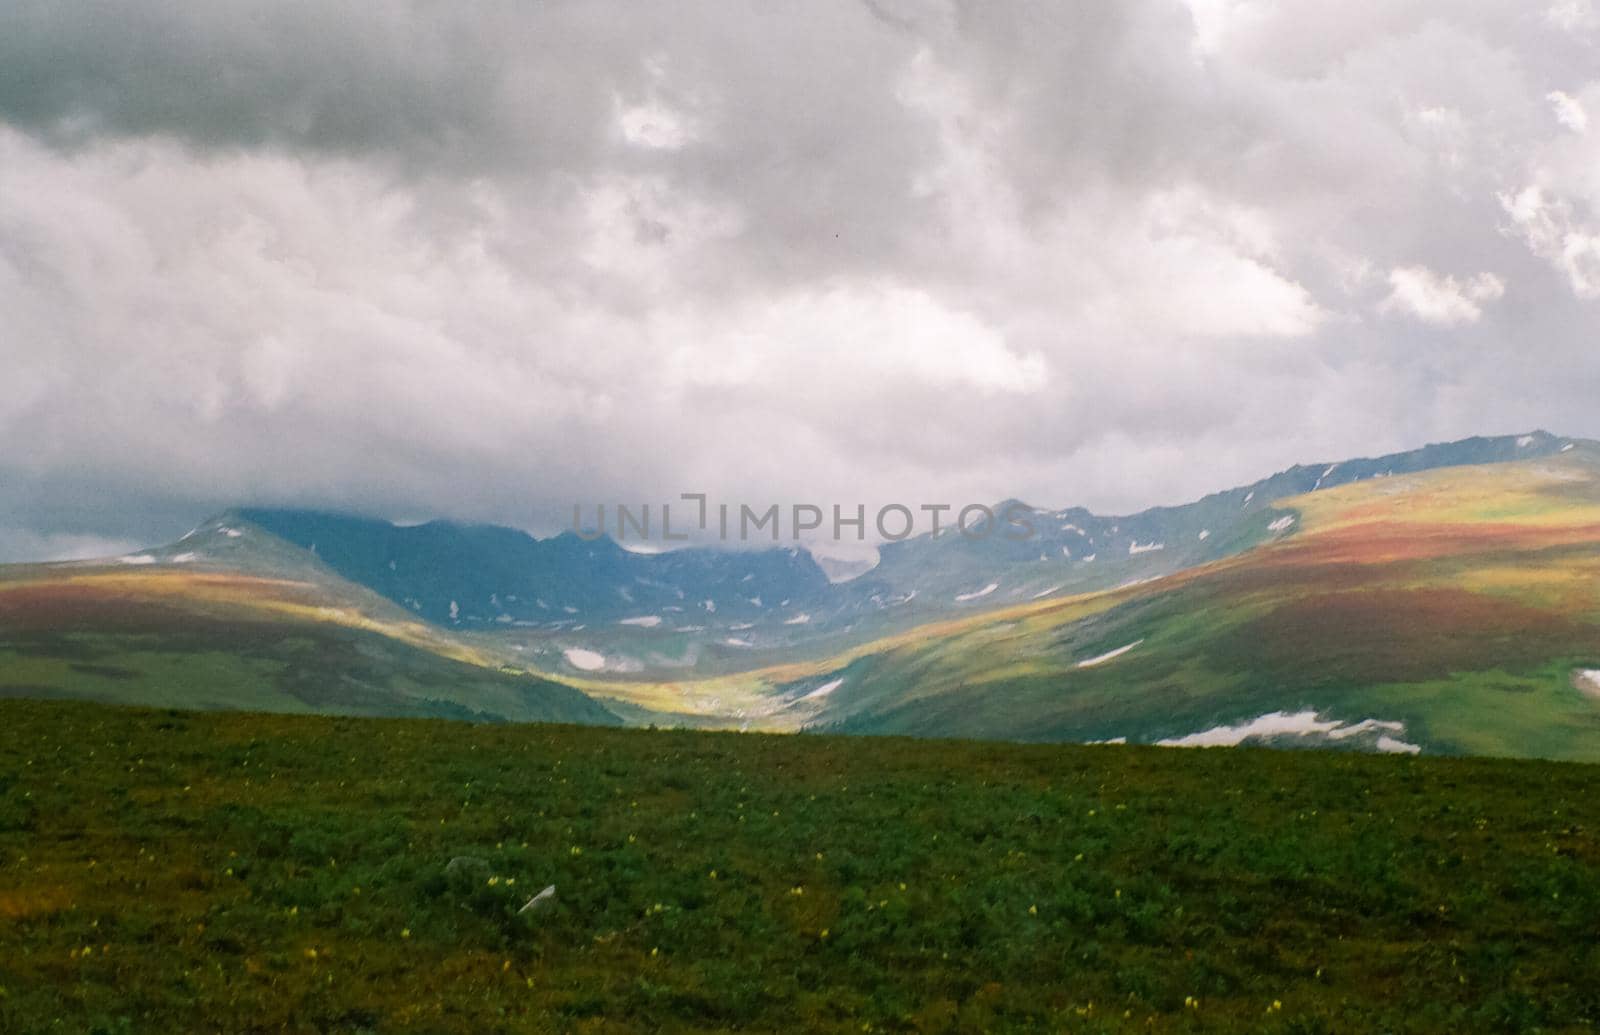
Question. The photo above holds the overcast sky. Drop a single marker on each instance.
(486, 261)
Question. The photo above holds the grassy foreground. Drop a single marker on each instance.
(166, 871)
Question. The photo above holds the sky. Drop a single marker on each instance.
(489, 261)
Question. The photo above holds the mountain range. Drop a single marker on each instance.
(1443, 599)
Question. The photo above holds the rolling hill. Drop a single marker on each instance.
(233, 618)
(1444, 600)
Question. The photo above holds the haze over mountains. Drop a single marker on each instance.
(1395, 603)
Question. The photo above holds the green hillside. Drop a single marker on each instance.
(166, 871)
(231, 619)
(1453, 611)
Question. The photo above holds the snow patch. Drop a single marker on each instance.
(1135, 548)
(797, 620)
(1298, 724)
(962, 598)
(1568, 447)
(1109, 655)
(185, 558)
(1525, 441)
(825, 689)
(643, 621)
(1366, 726)
(1045, 592)
(1390, 746)
(588, 660)
(1205, 533)
(734, 641)
(1281, 524)
(138, 559)
(1273, 724)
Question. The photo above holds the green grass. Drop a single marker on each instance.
(183, 871)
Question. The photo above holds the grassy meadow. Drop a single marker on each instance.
(179, 871)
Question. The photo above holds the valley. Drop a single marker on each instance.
(1445, 600)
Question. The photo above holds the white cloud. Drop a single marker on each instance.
(654, 120)
(1554, 209)
(1571, 15)
(843, 341)
(1569, 112)
(654, 125)
(1553, 232)
(1215, 20)
(1440, 300)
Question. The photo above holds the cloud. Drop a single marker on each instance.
(1555, 232)
(1555, 207)
(1572, 15)
(1443, 301)
(1568, 111)
(481, 262)
(24, 544)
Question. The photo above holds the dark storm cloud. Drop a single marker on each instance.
(485, 260)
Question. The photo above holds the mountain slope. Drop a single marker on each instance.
(1451, 611)
(1456, 610)
(233, 618)
(1074, 550)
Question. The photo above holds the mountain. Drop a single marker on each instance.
(233, 618)
(1453, 610)
(481, 575)
(1073, 550)
(1441, 600)
(709, 612)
